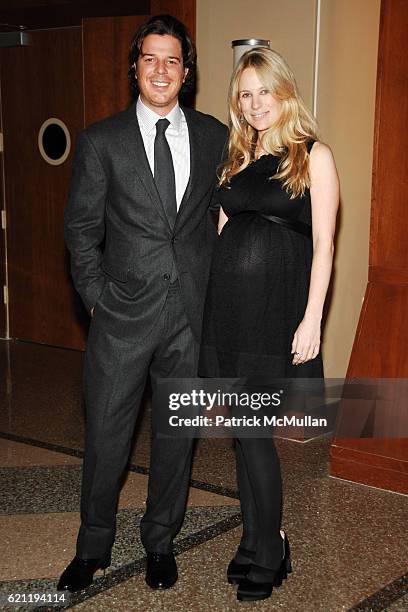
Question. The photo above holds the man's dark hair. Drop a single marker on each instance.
(163, 24)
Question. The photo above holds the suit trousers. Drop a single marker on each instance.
(115, 374)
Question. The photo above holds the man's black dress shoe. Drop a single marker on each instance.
(161, 571)
(79, 573)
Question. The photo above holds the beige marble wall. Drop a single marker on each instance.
(288, 25)
(345, 111)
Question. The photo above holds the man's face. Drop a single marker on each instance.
(160, 72)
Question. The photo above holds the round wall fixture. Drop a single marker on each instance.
(54, 141)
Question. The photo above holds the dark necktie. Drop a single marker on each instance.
(164, 171)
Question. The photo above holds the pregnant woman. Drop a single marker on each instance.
(271, 269)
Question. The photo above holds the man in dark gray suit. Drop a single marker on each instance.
(140, 237)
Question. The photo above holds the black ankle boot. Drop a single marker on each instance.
(237, 571)
(79, 573)
(250, 590)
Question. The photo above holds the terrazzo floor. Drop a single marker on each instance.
(349, 542)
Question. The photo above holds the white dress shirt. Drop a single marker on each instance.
(177, 137)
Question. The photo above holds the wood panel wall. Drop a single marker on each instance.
(3, 323)
(41, 14)
(106, 85)
(35, 200)
(381, 344)
(184, 10)
(40, 81)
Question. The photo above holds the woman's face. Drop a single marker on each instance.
(259, 107)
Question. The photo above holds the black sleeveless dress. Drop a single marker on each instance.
(259, 281)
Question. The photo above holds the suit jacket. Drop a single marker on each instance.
(122, 246)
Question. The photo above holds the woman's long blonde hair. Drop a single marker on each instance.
(286, 138)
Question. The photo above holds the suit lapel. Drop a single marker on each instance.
(133, 142)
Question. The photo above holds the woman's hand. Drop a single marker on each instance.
(306, 341)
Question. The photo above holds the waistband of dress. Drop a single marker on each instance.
(296, 226)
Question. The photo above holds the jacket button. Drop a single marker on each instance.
(166, 276)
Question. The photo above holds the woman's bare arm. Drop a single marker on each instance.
(324, 192)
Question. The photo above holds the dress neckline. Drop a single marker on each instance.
(262, 156)
(267, 163)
